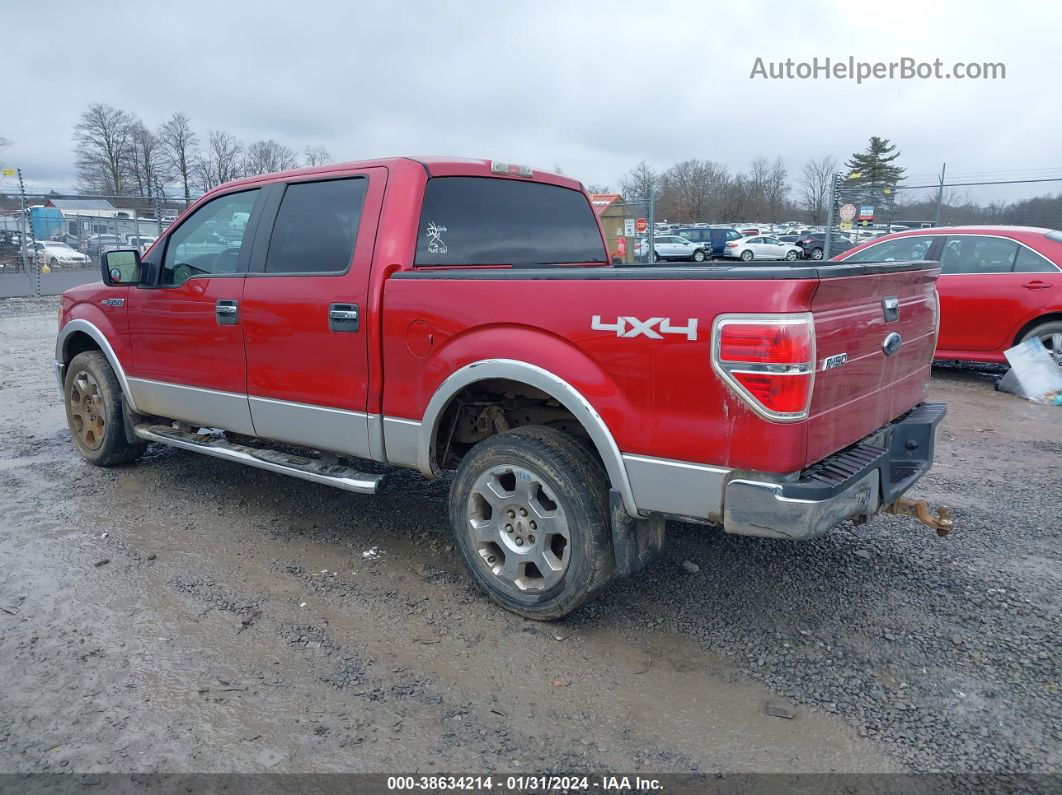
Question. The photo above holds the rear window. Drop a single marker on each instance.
(485, 221)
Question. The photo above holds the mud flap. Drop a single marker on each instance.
(130, 419)
(635, 542)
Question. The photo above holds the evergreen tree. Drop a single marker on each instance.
(876, 166)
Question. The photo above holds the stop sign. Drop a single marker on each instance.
(641, 225)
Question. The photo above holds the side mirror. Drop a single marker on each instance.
(120, 266)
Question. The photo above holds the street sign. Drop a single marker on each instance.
(866, 212)
(628, 227)
(621, 246)
(847, 212)
(9, 172)
(641, 225)
(846, 224)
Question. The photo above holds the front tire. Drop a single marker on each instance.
(529, 510)
(698, 256)
(93, 401)
(654, 258)
(53, 263)
(790, 256)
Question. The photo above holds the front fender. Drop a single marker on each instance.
(87, 319)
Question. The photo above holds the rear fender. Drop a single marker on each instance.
(539, 377)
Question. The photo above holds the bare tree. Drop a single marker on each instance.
(219, 161)
(179, 144)
(640, 183)
(776, 189)
(265, 157)
(597, 187)
(146, 165)
(815, 186)
(690, 188)
(316, 155)
(101, 148)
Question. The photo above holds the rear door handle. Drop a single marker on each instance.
(343, 317)
(227, 313)
(1036, 285)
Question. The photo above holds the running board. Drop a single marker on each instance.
(342, 477)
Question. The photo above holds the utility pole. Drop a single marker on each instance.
(940, 195)
(829, 216)
(23, 233)
(652, 227)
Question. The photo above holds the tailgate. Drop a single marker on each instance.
(871, 388)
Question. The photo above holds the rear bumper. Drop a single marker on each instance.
(856, 482)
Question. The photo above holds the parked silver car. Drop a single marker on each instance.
(672, 247)
(762, 247)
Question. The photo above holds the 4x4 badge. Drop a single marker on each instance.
(633, 327)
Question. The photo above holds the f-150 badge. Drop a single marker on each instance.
(654, 327)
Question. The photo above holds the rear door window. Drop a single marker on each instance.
(1029, 261)
(490, 221)
(316, 226)
(978, 254)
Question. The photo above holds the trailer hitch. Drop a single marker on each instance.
(942, 522)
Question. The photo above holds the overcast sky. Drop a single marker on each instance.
(590, 87)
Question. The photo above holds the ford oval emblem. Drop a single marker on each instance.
(892, 343)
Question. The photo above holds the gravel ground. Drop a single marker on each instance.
(184, 614)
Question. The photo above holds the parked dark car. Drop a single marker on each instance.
(713, 238)
(814, 244)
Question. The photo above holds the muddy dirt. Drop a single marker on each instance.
(183, 614)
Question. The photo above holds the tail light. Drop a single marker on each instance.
(768, 360)
(731, 245)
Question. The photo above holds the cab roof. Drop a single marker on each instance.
(433, 166)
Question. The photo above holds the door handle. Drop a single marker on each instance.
(343, 317)
(227, 313)
(1036, 285)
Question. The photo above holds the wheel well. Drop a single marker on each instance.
(1049, 318)
(493, 406)
(79, 342)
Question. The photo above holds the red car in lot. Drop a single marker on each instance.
(998, 285)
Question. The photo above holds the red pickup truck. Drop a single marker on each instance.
(452, 314)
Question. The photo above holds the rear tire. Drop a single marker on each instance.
(654, 258)
(747, 255)
(93, 400)
(816, 253)
(529, 510)
(1050, 334)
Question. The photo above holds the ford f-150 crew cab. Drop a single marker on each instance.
(451, 314)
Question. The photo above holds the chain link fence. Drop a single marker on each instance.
(55, 242)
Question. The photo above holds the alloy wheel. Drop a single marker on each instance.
(519, 529)
(87, 410)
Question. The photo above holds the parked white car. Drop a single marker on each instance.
(142, 241)
(55, 254)
(672, 247)
(763, 247)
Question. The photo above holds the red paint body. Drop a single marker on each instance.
(658, 397)
(983, 314)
